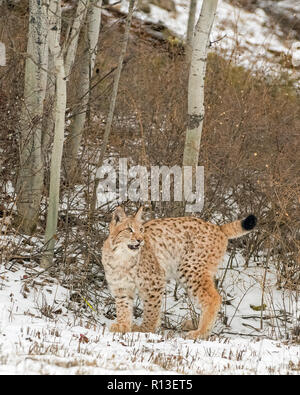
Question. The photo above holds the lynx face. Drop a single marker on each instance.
(126, 233)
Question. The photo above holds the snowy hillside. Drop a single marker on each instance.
(41, 331)
(250, 39)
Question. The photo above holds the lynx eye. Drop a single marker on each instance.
(130, 229)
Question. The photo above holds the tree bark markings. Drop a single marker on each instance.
(31, 172)
(196, 109)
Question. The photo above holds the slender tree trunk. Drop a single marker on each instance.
(48, 118)
(60, 109)
(196, 83)
(71, 42)
(190, 30)
(113, 100)
(49, 114)
(30, 179)
(82, 95)
(94, 22)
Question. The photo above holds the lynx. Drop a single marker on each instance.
(144, 256)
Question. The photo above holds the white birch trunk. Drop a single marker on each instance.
(49, 118)
(71, 42)
(31, 174)
(69, 51)
(196, 83)
(86, 70)
(94, 22)
(56, 158)
(113, 100)
(190, 30)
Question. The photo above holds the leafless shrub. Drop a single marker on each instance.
(249, 149)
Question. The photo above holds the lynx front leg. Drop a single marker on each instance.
(124, 307)
(152, 308)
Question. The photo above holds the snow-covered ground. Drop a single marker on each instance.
(49, 326)
(250, 39)
(40, 332)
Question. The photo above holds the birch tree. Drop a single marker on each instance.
(82, 94)
(190, 29)
(69, 51)
(60, 109)
(30, 178)
(113, 100)
(71, 42)
(196, 83)
(49, 116)
(62, 70)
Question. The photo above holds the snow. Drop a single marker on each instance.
(291, 5)
(249, 39)
(296, 54)
(43, 330)
(40, 334)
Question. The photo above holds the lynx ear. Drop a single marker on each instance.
(138, 215)
(118, 215)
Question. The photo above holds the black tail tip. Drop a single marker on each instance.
(249, 222)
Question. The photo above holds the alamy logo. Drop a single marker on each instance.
(137, 183)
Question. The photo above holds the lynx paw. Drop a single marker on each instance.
(194, 335)
(141, 328)
(137, 328)
(189, 325)
(123, 328)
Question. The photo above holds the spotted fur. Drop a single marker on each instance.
(187, 249)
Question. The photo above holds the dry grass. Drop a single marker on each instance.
(249, 151)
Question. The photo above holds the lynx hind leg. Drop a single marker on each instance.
(208, 299)
(210, 302)
(124, 307)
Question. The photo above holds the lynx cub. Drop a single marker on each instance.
(144, 256)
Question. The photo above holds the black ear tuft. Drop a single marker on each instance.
(118, 215)
(249, 222)
(117, 218)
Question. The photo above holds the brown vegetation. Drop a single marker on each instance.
(250, 142)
